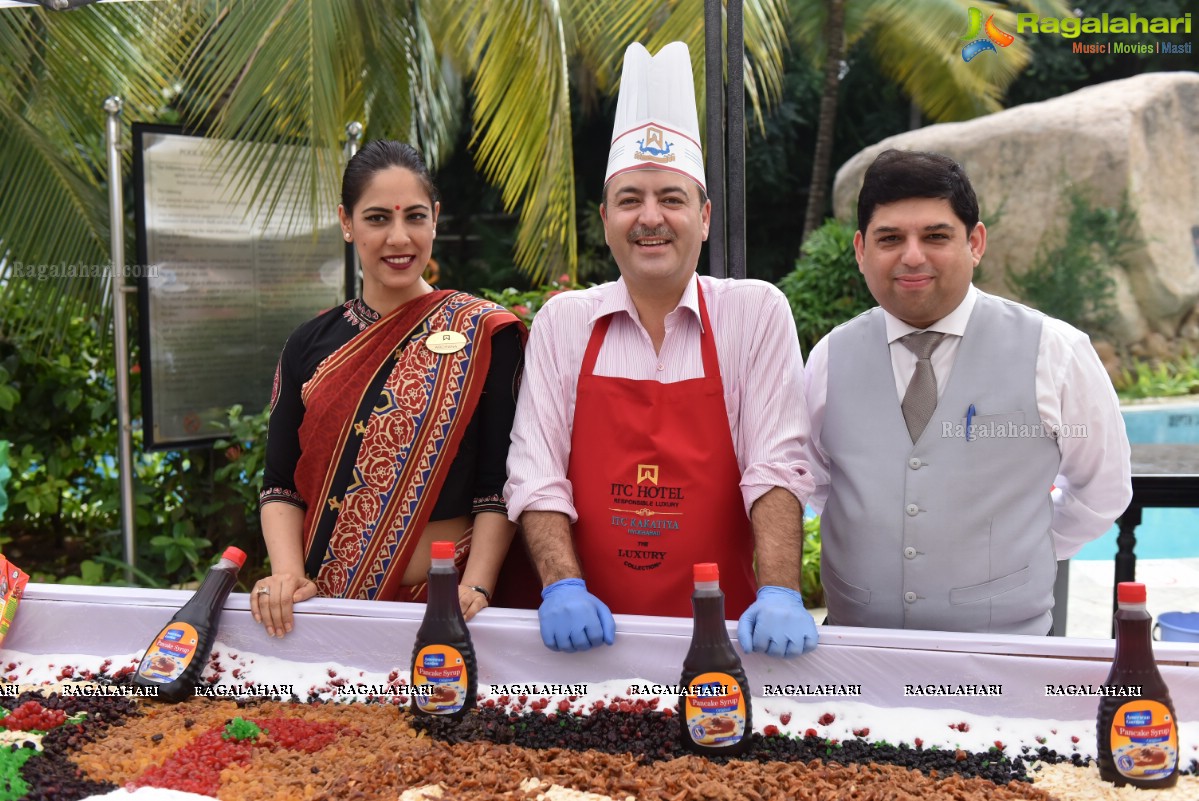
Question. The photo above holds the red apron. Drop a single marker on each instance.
(657, 487)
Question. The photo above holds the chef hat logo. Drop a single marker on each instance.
(657, 126)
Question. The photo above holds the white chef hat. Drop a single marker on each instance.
(656, 123)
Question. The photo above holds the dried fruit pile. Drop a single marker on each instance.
(247, 749)
(61, 726)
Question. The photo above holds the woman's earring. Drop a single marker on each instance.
(347, 236)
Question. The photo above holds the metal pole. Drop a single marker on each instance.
(116, 215)
(353, 134)
(736, 140)
(714, 90)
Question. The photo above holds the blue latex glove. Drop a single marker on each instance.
(573, 619)
(777, 623)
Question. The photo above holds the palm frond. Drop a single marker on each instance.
(923, 54)
(517, 53)
(808, 19)
(437, 88)
(270, 71)
(295, 72)
(55, 71)
(604, 30)
(917, 43)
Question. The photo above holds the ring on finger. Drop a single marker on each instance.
(264, 590)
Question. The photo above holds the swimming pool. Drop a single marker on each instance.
(1163, 533)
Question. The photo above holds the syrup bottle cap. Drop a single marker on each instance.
(235, 555)
(1130, 592)
(706, 571)
(443, 550)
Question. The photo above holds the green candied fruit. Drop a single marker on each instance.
(241, 729)
(12, 786)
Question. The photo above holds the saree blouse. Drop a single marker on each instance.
(476, 476)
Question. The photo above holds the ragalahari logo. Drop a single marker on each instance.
(975, 43)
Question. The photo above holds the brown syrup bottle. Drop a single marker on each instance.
(1137, 736)
(177, 654)
(714, 709)
(443, 677)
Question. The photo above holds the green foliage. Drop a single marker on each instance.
(810, 586)
(1161, 380)
(826, 288)
(180, 547)
(91, 572)
(1070, 278)
(525, 305)
(62, 430)
(63, 519)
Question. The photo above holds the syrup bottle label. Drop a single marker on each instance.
(1144, 740)
(439, 680)
(715, 709)
(170, 654)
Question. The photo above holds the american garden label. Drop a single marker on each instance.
(170, 654)
(715, 709)
(1144, 740)
(439, 680)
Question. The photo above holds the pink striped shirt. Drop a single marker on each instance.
(760, 366)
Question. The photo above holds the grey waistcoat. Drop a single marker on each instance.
(948, 534)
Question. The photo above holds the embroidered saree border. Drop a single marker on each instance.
(410, 440)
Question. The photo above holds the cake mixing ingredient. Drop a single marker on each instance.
(714, 706)
(178, 653)
(443, 658)
(1138, 737)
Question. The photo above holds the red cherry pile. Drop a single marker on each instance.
(197, 766)
(306, 736)
(32, 716)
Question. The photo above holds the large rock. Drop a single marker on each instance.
(1140, 134)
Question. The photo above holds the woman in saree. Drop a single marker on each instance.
(390, 417)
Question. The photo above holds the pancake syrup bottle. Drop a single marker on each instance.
(1138, 736)
(715, 707)
(443, 659)
(178, 653)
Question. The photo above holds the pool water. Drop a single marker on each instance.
(1163, 533)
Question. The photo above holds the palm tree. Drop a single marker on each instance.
(918, 45)
(55, 71)
(297, 71)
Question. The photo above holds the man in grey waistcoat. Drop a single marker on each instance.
(961, 443)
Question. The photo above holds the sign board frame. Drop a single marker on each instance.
(223, 284)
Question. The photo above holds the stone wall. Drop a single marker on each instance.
(1139, 135)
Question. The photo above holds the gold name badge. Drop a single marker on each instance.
(446, 341)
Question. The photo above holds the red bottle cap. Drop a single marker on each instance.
(236, 555)
(443, 550)
(1130, 592)
(706, 571)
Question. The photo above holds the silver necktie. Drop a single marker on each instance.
(921, 397)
